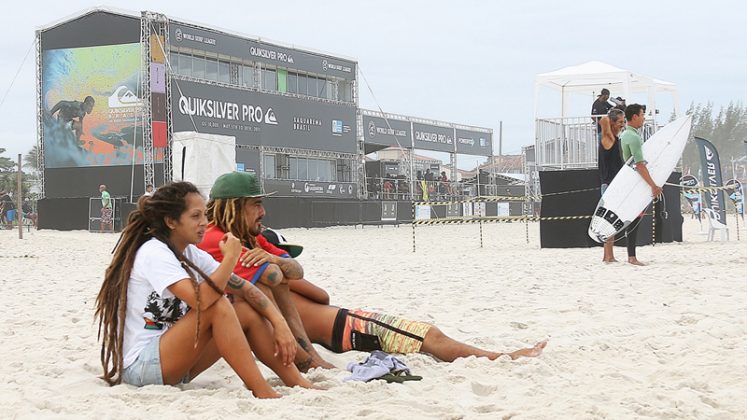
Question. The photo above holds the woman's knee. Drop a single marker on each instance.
(221, 307)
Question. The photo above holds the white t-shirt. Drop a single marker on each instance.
(151, 307)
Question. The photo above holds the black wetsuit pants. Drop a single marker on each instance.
(632, 234)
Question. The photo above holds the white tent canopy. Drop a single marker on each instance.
(590, 78)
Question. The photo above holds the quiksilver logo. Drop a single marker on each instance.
(212, 108)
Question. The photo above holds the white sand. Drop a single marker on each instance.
(663, 341)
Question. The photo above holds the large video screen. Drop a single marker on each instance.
(91, 110)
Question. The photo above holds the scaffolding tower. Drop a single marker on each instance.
(39, 114)
(154, 27)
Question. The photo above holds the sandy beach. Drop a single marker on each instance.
(663, 341)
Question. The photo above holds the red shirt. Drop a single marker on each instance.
(212, 238)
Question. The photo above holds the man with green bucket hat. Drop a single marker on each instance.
(236, 206)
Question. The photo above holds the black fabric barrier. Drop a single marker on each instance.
(573, 233)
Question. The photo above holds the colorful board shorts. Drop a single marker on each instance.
(360, 330)
(106, 215)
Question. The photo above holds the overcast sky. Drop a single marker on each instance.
(469, 62)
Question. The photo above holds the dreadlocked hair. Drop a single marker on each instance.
(227, 214)
(148, 221)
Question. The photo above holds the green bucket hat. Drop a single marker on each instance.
(237, 185)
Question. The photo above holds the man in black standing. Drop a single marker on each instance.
(599, 109)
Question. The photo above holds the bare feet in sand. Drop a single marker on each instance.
(266, 393)
(311, 363)
(634, 261)
(608, 261)
(529, 352)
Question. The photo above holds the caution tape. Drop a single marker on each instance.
(495, 198)
(701, 189)
(504, 219)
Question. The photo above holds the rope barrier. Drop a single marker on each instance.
(481, 234)
(700, 189)
(500, 219)
(413, 227)
(495, 198)
(653, 223)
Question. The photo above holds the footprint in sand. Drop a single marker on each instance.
(483, 390)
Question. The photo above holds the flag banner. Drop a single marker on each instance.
(711, 167)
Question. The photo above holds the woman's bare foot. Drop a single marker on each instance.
(529, 352)
(609, 260)
(266, 393)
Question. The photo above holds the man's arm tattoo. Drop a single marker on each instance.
(291, 269)
(303, 344)
(272, 278)
(305, 365)
(235, 282)
(256, 298)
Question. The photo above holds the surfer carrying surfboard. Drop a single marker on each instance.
(632, 145)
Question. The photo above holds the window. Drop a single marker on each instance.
(173, 64)
(302, 83)
(313, 172)
(282, 80)
(223, 72)
(292, 168)
(292, 82)
(269, 79)
(235, 74)
(282, 167)
(198, 67)
(331, 90)
(185, 65)
(343, 170)
(322, 87)
(211, 69)
(346, 91)
(303, 168)
(269, 167)
(247, 79)
(326, 170)
(311, 86)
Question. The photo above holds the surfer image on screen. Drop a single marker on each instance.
(610, 162)
(631, 143)
(71, 113)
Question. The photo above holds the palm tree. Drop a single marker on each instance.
(31, 160)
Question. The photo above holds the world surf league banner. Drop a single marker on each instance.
(693, 198)
(711, 167)
(736, 194)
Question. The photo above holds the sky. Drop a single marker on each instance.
(468, 62)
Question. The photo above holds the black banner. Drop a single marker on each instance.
(386, 132)
(296, 188)
(182, 36)
(265, 119)
(474, 142)
(711, 167)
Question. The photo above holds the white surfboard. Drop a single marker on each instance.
(629, 194)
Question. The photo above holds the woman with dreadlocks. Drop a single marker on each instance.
(162, 319)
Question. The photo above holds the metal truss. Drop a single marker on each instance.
(39, 115)
(360, 167)
(146, 20)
